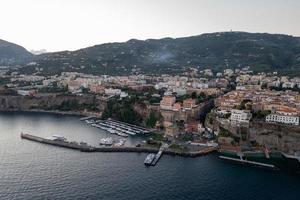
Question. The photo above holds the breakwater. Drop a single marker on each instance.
(87, 148)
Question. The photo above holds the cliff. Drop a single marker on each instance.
(280, 137)
(50, 102)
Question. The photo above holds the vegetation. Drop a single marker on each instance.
(185, 137)
(261, 114)
(271, 52)
(153, 118)
(122, 110)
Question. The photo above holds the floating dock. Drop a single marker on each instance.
(242, 161)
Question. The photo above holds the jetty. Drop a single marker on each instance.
(84, 147)
(156, 158)
(242, 161)
(61, 143)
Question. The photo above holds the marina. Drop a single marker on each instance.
(116, 127)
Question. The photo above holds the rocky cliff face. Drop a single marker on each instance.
(275, 136)
(49, 102)
(282, 137)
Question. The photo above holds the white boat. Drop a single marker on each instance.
(59, 138)
(119, 133)
(121, 142)
(111, 131)
(106, 141)
(130, 133)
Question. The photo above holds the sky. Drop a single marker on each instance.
(58, 25)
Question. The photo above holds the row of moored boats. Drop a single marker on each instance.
(118, 128)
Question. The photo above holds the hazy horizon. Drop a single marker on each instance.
(73, 24)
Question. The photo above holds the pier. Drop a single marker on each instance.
(242, 161)
(159, 154)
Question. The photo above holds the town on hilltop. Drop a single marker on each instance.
(236, 109)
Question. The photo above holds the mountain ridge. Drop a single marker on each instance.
(220, 50)
(11, 53)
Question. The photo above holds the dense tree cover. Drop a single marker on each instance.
(122, 110)
(263, 52)
(153, 118)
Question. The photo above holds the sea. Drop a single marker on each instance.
(30, 170)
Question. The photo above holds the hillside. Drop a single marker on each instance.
(261, 51)
(11, 54)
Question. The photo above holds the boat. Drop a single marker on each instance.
(119, 133)
(59, 138)
(121, 142)
(106, 141)
(111, 131)
(149, 159)
(130, 133)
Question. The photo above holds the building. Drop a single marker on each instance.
(240, 116)
(167, 102)
(112, 92)
(26, 92)
(285, 119)
(189, 103)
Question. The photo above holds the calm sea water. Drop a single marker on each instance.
(30, 170)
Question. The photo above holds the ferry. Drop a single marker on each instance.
(149, 159)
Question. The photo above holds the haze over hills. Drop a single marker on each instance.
(11, 53)
(261, 51)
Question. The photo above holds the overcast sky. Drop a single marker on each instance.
(73, 24)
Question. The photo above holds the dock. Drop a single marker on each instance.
(159, 154)
(242, 161)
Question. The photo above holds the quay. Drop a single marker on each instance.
(242, 161)
(87, 148)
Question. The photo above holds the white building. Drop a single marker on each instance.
(111, 91)
(285, 119)
(240, 116)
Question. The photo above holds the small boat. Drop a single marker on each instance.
(121, 142)
(59, 138)
(119, 133)
(111, 131)
(106, 141)
(130, 133)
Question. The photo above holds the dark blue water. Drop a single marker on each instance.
(30, 170)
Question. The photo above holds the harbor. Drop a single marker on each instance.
(84, 147)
